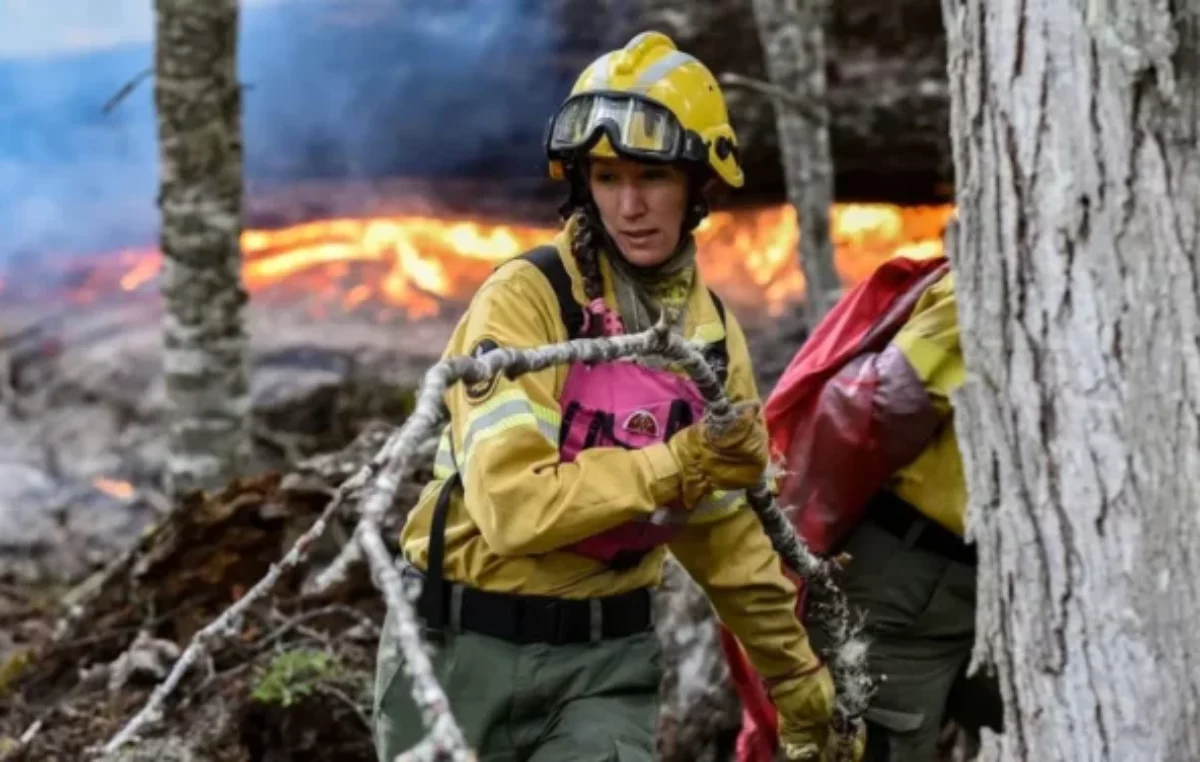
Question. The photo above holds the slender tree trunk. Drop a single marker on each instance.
(793, 40)
(200, 151)
(1076, 150)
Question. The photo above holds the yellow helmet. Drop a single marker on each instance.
(647, 101)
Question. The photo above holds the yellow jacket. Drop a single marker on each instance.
(929, 340)
(522, 506)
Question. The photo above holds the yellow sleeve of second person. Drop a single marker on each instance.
(505, 435)
(730, 556)
(930, 342)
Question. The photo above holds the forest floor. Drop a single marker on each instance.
(292, 682)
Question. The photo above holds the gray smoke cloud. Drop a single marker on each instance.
(335, 89)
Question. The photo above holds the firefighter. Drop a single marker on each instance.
(533, 546)
(864, 416)
(911, 572)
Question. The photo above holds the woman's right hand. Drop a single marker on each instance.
(733, 458)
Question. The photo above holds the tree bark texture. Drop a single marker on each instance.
(1075, 144)
(198, 102)
(701, 713)
(793, 40)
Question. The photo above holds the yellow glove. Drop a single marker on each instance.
(731, 459)
(805, 706)
(858, 746)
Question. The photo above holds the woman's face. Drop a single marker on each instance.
(641, 205)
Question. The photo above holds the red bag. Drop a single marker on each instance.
(863, 321)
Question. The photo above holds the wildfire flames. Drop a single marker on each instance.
(413, 266)
(122, 490)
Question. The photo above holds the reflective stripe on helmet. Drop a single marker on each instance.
(659, 69)
(599, 76)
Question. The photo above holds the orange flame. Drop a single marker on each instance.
(420, 263)
(121, 490)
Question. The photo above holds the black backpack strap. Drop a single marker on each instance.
(718, 353)
(547, 260)
(434, 591)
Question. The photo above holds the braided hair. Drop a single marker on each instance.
(586, 244)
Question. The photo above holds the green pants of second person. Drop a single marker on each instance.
(920, 619)
(591, 702)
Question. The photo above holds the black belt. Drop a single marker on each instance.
(898, 517)
(526, 619)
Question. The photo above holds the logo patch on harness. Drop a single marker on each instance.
(642, 422)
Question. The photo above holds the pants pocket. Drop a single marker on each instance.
(396, 720)
(893, 582)
(624, 751)
(895, 720)
(892, 736)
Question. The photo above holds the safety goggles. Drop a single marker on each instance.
(637, 128)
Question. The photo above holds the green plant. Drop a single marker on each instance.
(293, 675)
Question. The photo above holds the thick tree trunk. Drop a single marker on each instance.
(1076, 150)
(200, 151)
(793, 40)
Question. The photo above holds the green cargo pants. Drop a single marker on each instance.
(920, 609)
(531, 703)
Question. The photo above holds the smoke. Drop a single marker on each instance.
(340, 89)
(428, 88)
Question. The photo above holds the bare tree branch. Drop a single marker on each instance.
(126, 89)
(775, 93)
(227, 623)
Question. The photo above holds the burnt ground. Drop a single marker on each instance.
(291, 683)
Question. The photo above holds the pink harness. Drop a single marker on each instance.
(622, 404)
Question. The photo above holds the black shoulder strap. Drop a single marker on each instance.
(719, 352)
(547, 260)
(434, 591)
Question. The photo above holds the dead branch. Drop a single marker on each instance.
(351, 552)
(337, 571)
(227, 622)
(16, 749)
(289, 624)
(341, 696)
(774, 92)
(126, 89)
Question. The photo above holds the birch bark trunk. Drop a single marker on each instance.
(701, 712)
(793, 40)
(198, 104)
(1075, 131)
